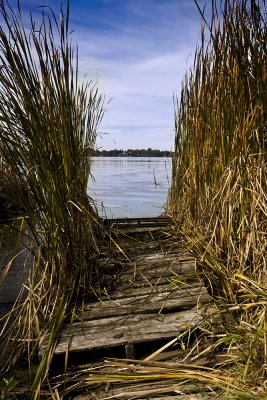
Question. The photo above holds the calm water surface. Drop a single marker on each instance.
(130, 186)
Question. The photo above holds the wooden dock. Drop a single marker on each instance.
(156, 298)
(136, 225)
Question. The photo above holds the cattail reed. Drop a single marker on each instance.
(218, 195)
(48, 127)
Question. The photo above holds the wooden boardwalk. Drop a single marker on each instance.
(157, 297)
(151, 298)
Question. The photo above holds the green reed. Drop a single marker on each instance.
(218, 195)
(48, 127)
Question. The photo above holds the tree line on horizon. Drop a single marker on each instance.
(132, 153)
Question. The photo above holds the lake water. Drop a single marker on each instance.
(130, 186)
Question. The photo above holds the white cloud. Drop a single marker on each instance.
(142, 97)
(138, 50)
(140, 66)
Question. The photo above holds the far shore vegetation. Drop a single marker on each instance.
(132, 153)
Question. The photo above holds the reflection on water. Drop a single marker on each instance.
(130, 186)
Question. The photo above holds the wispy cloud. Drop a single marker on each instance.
(138, 50)
(140, 59)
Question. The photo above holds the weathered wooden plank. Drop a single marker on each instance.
(145, 287)
(163, 259)
(159, 390)
(168, 305)
(129, 320)
(134, 328)
(156, 303)
(190, 396)
(146, 395)
(135, 271)
(152, 282)
(110, 220)
(169, 266)
(161, 269)
(143, 280)
(169, 256)
(140, 250)
(126, 227)
(140, 229)
(172, 391)
(137, 221)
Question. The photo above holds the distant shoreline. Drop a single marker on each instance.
(132, 153)
(132, 156)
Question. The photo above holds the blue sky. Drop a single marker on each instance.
(139, 51)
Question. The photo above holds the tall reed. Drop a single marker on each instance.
(218, 195)
(48, 127)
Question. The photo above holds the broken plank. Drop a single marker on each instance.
(136, 329)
